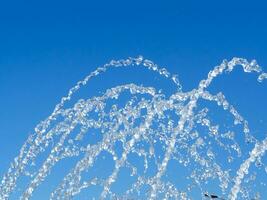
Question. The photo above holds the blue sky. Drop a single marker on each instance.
(46, 47)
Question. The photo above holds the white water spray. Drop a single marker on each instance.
(149, 127)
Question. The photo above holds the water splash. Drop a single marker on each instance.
(148, 128)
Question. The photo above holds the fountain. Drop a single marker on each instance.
(135, 142)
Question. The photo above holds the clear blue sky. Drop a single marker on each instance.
(47, 46)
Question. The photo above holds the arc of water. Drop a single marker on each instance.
(88, 160)
(228, 66)
(9, 180)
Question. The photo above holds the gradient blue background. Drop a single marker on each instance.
(47, 46)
